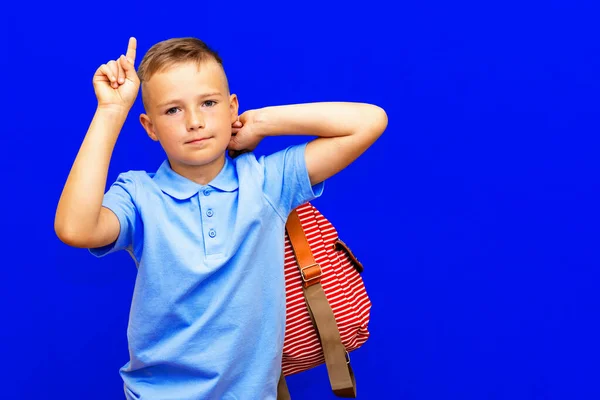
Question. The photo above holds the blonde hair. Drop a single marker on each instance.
(175, 51)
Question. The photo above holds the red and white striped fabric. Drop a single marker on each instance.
(343, 287)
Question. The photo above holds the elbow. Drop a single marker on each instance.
(64, 235)
(374, 122)
(380, 120)
(68, 235)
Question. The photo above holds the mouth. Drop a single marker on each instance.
(197, 140)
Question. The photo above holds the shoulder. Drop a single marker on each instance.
(293, 154)
(248, 164)
(134, 177)
(132, 182)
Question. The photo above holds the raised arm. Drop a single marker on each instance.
(344, 131)
(80, 219)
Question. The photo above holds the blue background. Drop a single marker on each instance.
(475, 214)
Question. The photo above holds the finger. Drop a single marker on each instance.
(114, 73)
(120, 72)
(237, 124)
(131, 50)
(234, 144)
(100, 73)
(243, 117)
(128, 68)
(106, 72)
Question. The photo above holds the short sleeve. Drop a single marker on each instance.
(287, 184)
(120, 200)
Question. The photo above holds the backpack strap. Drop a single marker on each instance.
(341, 376)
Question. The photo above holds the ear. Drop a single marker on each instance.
(148, 126)
(233, 107)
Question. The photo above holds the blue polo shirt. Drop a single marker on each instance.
(207, 318)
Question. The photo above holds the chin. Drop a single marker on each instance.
(202, 159)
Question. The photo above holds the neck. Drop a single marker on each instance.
(201, 174)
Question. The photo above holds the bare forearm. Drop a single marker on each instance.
(344, 131)
(81, 200)
(329, 119)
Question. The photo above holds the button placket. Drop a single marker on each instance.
(214, 222)
(208, 223)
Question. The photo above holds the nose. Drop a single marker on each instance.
(195, 121)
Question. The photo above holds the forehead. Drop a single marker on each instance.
(186, 79)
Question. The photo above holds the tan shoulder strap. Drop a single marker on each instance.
(341, 376)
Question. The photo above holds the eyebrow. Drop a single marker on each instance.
(201, 96)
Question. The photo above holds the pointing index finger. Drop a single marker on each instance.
(131, 49)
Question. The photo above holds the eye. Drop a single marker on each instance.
(172, 110)
(210, 103)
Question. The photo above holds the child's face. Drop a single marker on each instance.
(190, 112)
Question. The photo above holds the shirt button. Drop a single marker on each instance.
(210, 212)
(212, 233)
(207, 192)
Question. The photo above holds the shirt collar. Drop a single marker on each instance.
(183, 188)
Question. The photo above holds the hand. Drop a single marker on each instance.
(245, 135)
(116, 83)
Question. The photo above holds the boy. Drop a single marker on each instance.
(207, 317)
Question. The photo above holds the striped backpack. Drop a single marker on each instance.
(328, 309)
